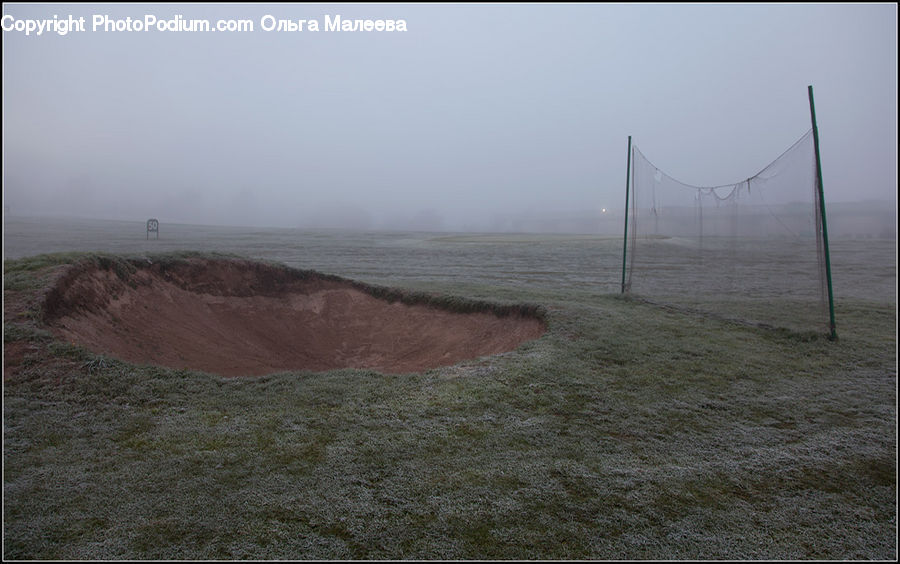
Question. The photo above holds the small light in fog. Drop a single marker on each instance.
(603, 210)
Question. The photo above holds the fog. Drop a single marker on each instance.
(478, 117)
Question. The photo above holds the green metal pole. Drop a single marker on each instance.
(627, 181)
(815, 128)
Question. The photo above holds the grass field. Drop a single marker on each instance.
(627, 431)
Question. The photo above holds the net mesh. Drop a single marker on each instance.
(750, 251)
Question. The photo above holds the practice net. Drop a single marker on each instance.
(752, 251)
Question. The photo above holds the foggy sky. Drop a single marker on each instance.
(475, 114)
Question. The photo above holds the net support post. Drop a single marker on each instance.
(625, 238)
(821, 198)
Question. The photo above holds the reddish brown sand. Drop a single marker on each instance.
(237, 318)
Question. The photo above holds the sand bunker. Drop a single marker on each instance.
(238, 318)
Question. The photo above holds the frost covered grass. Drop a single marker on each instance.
(626, 431)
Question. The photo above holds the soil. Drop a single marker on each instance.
(240, 318)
